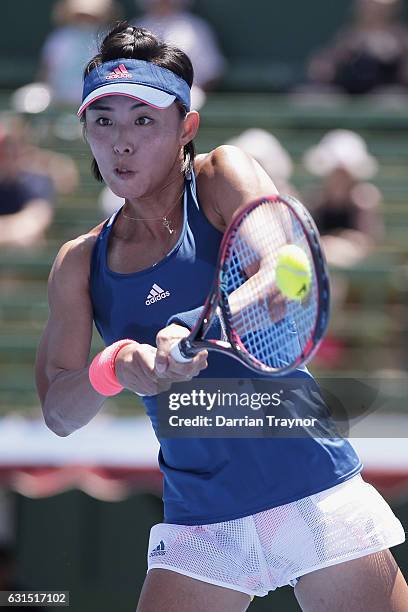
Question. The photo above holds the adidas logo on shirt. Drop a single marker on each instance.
(159, 550)
(156, 293)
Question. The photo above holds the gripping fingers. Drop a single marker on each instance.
(178, 356)
(200, 362)
(187, 369)
(170, 363)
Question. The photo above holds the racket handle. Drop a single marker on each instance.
(178, 354)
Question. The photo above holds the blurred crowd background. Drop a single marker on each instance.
(318, 94)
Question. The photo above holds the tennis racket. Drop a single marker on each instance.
(262, 328)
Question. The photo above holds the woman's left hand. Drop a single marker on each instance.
(166, 366)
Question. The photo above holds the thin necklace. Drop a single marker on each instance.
(164, 219)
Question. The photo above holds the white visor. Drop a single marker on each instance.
(149, 95)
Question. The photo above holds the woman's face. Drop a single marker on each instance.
(137, 147)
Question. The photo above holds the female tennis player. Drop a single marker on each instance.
(242, 516)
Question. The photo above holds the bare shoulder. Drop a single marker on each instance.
(66, 340)
(221, 162)
(72, 263)
(228, 178)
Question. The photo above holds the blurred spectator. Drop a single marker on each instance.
(171, 21)
(346, 211)
(270, 154)
(368, 55)
(346, 207)
(72, 44)
(26, 194)
(60, 168)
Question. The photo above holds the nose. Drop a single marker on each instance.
(122, 144)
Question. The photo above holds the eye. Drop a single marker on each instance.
(143, 121)
(103, 121)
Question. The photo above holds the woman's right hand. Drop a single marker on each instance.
(148, 370)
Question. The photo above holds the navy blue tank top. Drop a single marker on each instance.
(207, 480)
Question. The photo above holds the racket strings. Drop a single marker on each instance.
(271, 328)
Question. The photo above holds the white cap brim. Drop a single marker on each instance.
(322, 161)
(149, 95)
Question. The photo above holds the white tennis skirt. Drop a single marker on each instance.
(258, 553)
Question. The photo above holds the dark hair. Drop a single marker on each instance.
(126, 41)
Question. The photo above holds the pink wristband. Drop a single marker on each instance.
(102, 374)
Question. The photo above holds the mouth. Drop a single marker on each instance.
(124, 173)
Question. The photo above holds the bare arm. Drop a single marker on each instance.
(67, 397)
(62, 371)
(237, 180)
(227, 179)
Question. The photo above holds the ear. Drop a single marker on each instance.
(190, 127)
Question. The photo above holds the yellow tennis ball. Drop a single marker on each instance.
(293, 272)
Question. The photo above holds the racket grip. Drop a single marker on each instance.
(177, 355)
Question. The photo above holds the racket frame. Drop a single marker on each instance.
(218, 296)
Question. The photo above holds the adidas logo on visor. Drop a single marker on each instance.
(120, 72)
(156, 294)
(159, 550)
